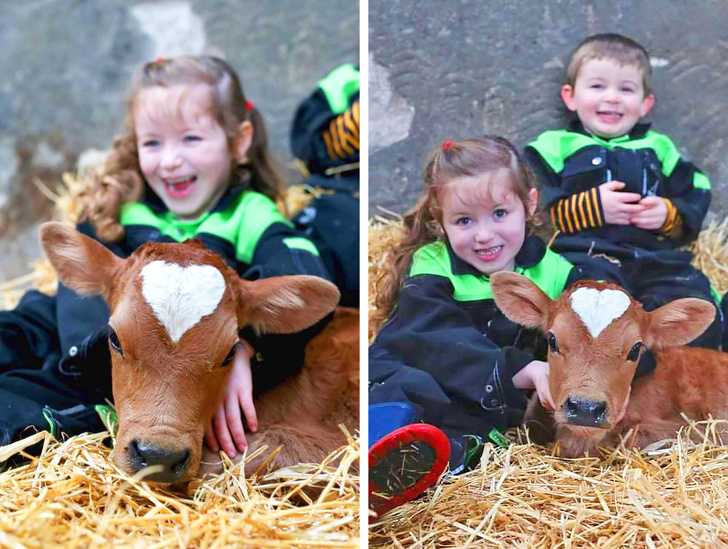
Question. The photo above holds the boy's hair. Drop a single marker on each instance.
(488, 155)
(122, 181)
(611, 46)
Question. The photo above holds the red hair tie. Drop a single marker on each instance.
(249, 105)
(159, 59)
(446, 144)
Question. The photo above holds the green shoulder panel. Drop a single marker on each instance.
(299, 243)
(339, 86)
(433, 259)
(550, 274)
(241, 224)
(135, 213)
(701, 181)
(556, 145)
(244, 222)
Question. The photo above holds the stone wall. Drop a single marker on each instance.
(66, 66)
(443, 70)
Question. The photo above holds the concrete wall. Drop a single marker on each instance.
(452, 69)
(66, 65)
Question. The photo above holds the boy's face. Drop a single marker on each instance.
(485, 222)
(608, 98)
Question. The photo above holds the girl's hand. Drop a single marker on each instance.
(226, 427)
(535, 375)
(653, 214)
(619, 207)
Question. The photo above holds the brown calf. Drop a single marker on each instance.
(176, 310)
(596, 333)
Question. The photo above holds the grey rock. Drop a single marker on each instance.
(467, 67)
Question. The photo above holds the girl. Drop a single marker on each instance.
(446, 351)
(193, 162)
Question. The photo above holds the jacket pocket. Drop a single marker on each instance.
(585, 169)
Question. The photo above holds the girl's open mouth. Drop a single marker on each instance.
(180, 187)
(489, 254)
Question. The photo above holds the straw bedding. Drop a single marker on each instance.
(673, 494)
(73, 495)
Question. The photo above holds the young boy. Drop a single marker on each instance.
(615, 187)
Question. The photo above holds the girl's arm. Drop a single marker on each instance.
(28, 333)
(430, 331)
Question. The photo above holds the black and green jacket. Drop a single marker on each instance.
(65, 331)
(447, 324)
(571, 164)
(325, 134)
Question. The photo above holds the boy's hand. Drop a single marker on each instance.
(619, 208)
(653, 214)
(535, 375)
(226, 427)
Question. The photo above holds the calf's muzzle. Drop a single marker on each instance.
(173, 462)
(585, 412)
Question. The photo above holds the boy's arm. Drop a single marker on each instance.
(431, 332)
(570, 213)
(325, 131)
(687, 196)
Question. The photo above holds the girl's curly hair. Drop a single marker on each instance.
(121, 179)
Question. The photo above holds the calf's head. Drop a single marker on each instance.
(176, 310)
(596, 334)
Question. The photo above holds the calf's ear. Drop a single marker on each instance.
(284, 304)
(83, 264)
(520, 299)
(678, 322)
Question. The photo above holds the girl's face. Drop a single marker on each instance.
(184, 153)
(485, 221)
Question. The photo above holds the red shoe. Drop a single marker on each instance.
(405, 463)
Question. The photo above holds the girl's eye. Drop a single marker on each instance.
(597, 86)
(114, 342)
(150, 143)
(463, 221)
(230, 356)
(500, 213)
(191, 138)
(627, 90)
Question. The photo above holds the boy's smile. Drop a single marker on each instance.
(609, 98)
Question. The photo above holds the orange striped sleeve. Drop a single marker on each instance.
(595, 201)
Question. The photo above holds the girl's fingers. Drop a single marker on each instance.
(235, 423)
(211, 438)
(223, 434)
(246, 403)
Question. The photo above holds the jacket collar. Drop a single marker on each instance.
(530, 254)
(637, 132)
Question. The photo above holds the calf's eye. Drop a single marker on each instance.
(230, 356)
(634, 352)
(553, 344)
(114, 342)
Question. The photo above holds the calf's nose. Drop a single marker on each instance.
(585, 412)
(173, 462)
